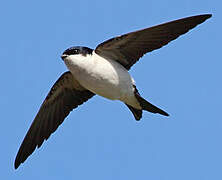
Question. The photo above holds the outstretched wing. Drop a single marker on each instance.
(128, 48)
(65, 95)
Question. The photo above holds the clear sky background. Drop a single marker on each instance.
(101, 140)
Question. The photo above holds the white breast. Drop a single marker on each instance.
(102, 76)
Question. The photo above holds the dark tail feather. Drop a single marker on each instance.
(148, 106)
(136, 112)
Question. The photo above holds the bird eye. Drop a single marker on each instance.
(75, 51)
(72, 51)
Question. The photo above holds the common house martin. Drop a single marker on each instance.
(102, 71)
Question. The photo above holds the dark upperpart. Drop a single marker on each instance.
(78, 50)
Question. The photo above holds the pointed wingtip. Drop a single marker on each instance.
(204, 17)
(17, 162)
(16, 165)
(207, 16)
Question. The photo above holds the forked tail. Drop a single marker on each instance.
(149, 107)
(145, 106)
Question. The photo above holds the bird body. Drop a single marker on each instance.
(103, 71)
(104, 77)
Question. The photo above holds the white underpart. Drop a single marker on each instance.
(104, 77)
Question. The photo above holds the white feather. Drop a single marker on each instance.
(104, 77)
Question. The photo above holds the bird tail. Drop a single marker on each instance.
(136, 112)
(148, 106)
(145, 106)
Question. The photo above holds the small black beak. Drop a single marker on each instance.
(64, 56)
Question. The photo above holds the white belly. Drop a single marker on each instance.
(106, 78)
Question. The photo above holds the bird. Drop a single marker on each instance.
(104, 72)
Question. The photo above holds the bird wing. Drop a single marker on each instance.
(128, 48)
(65, 95)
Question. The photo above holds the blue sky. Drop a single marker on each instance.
(101, 139)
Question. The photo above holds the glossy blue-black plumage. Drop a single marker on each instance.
(78, 50)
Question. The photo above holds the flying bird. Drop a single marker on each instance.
(102, 71)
